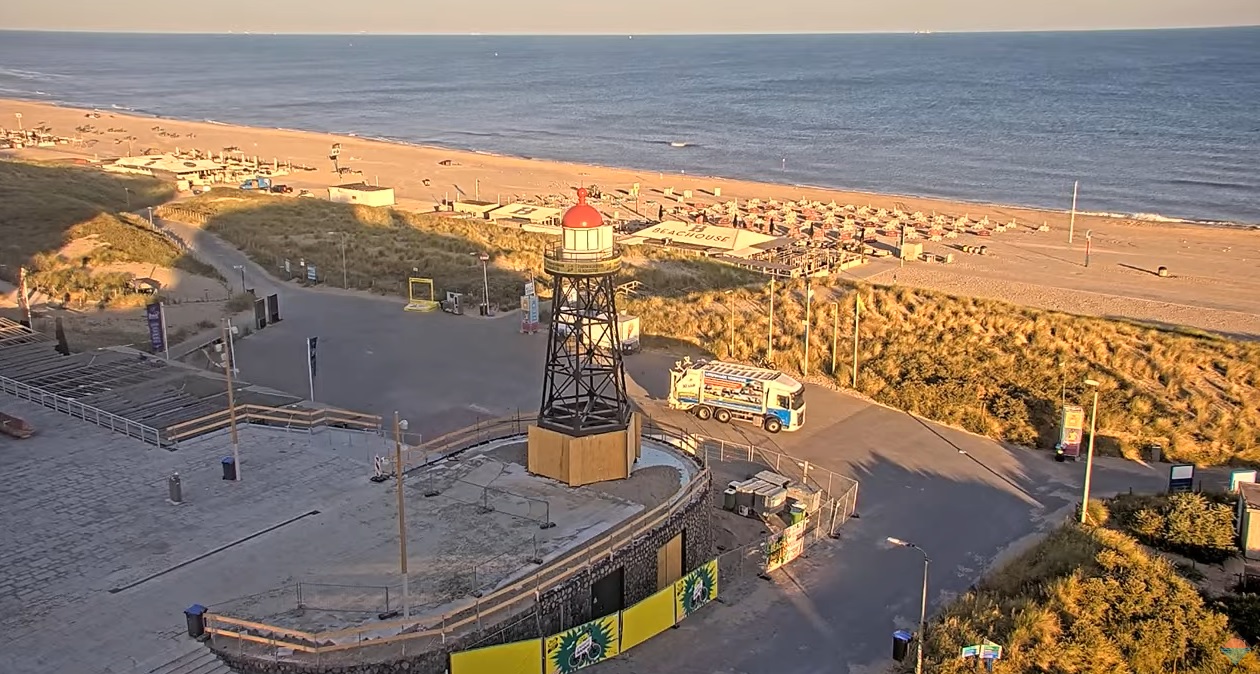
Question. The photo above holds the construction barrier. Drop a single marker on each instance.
(518, 657)
(648, 618)
(599, 639)
(695, 589)
(585, 645)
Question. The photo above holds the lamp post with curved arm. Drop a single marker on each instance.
(918, 657)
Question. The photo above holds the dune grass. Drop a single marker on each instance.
(1088, 601)
(995, 368)
(43, 207)
(383, 247)
(991, 367)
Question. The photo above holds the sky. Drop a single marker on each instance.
(610, 17)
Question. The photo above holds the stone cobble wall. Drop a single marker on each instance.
(560, 608)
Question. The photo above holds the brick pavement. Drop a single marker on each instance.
(85, 512)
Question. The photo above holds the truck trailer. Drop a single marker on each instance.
(713, 389)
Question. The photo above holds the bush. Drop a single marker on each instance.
(1084, 601)
(1243, 611)
(1187, 524)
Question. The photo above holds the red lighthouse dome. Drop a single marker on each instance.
(583, 215)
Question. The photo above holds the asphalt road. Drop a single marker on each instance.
(966, 500)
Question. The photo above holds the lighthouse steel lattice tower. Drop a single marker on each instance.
(584, 386)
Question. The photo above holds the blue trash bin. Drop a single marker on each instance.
(196, 617)
(229, 468)
(901, 644)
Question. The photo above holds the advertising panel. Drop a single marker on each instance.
(786, 546)
(695, 589)
(518, 657)
(584, 645)
(647, 619)
(157, 332)
(1071, 430)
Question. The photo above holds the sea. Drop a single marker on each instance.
(1161, 124)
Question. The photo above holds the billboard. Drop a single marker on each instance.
(1071, 430)
(518, 657)
(584, 645)
(786, 546)
(695, 589)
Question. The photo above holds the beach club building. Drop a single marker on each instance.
(194, 171)
(362, 194)
(525, 214)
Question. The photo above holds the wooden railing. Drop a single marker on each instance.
(480, 611)
(278, 417)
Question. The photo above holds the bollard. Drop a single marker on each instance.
(175, 489)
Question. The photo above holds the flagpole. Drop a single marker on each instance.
(1072, 221)
(809, 297)
(166, 343)
(835, 337)
(857, 309)
(770, 342)
(310, 370)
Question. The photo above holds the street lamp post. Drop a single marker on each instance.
(399, 427)
(229, 368)
(345, 236)
(1089, 454)
(918, 657)
(485, 278)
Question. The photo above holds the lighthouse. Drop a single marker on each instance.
(586, 430)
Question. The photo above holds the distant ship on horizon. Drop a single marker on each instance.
(922, 32)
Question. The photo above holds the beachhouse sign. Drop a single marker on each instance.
(707, 236)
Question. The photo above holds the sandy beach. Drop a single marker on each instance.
(1214, 279)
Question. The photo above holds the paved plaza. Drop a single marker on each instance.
(99, 565)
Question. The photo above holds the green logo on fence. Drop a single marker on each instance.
(583, 646)
(696, 589)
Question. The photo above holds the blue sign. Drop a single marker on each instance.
(1181, 478)
(154, 314)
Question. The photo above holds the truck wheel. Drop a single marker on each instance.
(723, 416)
(704, 413)
(773, 425)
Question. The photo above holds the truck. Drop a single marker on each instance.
(627, 334)
(712, 389)
(259, 183)
(1071, 430)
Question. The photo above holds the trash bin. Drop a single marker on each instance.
(175, 489)
(1157, 452)
(796, 514)
(484, 309)
(728, 498)
(901, 644)
(229, 468)
(196, 617)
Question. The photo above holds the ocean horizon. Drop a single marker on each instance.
(1158, 124)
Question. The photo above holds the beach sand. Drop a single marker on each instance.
(1214, 280)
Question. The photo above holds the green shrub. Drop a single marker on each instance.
(1243, 611)
(1084, 601)
(1187, 524)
